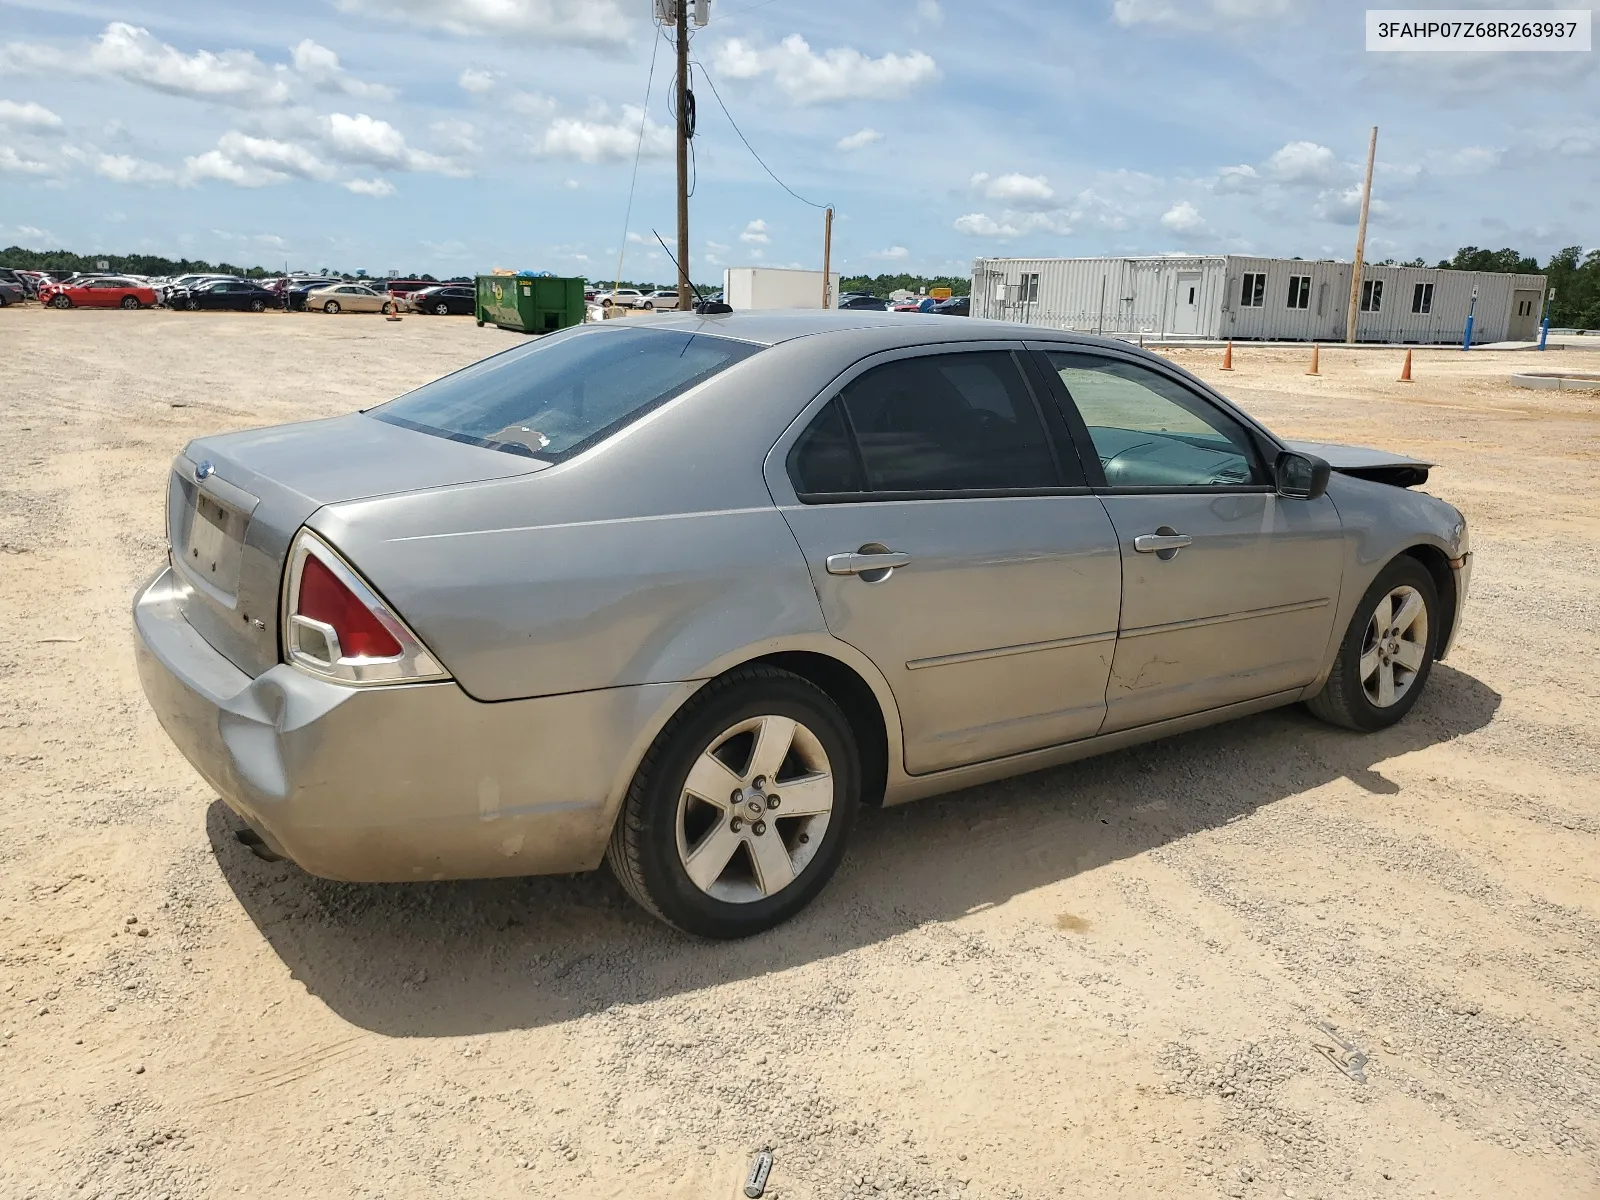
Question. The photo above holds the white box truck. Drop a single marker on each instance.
(772, 287)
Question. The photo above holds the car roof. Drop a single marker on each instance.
(768, 327)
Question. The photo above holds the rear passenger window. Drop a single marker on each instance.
(949, 423)
(823, 462)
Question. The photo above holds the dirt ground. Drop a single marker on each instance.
(1111, 978)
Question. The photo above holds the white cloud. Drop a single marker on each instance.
(476, 81)
(319, 66)
(1304, 163)
(30, 116)
(842, 73)
(983, 225)
(929, 12)
(123, 168)
(369, 187)
(892, 252)
(12, 163)
(1198, 14)
(218, 166)
(1183, 217)
(586, 22)
(603, 140)
(1342, 206)
(1024, 191)
(359, 138)
(755, 233)
(1242, 178)
(455, 136)
(532, 104)
(236, 77)
(269, 154)
(859, 140)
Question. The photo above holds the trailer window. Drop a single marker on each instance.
(1299, 291)
(1253, 290)
(1372, 295)
(1422, 298)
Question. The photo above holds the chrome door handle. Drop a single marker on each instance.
(857, 563)
(1165, 544)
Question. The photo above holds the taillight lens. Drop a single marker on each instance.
(336, 626)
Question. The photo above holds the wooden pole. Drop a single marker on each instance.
(685, 292)
(827, 257)
(1361, 242)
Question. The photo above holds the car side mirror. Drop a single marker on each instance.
(1300, 476)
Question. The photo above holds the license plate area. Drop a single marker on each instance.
(214, 542)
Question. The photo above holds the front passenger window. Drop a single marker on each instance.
(1150, 431)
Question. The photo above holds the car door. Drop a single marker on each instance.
(1228, 590)
(952, 539)
(102, 293)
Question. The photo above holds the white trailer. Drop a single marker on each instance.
(774, 287)
(1272, 299)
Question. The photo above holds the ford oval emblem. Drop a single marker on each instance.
(204, 471)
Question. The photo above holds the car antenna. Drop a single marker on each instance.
(701, 305)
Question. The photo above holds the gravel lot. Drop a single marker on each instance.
(1108, 978)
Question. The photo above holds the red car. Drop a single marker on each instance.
(109, 291)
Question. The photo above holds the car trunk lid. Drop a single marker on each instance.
(235, 502)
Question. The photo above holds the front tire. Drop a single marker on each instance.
(130, 302)
(740, 812)
(257, 306)
(61, 301)
(331, 308)
(388, 309)
(1387, 652)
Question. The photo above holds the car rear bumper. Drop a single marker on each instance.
(395, 783)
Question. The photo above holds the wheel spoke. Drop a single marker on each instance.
(1385, 685)
(774, 871)
(807, 796)
(1381, 616)
(1410, 609)
(709, 859)
(710, 780)
(1369, 664)
(773, 740)
(1409, 655)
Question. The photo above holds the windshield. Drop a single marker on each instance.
(566, 391)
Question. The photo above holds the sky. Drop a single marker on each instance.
(457, 136)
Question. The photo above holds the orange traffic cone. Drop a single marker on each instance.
(1227, 356)
(1405, 371)
(1312, 370)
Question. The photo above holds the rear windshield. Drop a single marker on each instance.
(566, 391)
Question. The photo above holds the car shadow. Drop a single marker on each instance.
(447, 959)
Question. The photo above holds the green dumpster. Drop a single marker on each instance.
(530, 303)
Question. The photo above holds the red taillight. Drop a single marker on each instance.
(323, 598)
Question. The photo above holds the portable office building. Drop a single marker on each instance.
(1273, 299)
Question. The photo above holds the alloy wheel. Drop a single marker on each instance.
(1395, 646)
(754, 809)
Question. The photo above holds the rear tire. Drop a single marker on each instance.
(443, 310)
(1387, 652)
(775, 859)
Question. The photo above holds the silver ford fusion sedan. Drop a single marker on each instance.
(682, 595)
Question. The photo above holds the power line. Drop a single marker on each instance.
(746, 140)
(644, 120)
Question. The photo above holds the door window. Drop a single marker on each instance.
(1149, 431)
(948, 423)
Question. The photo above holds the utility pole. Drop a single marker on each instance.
(827, 257)
(1361, 243)
(685, 115)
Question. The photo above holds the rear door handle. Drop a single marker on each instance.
(1166, 543)
(857, 563)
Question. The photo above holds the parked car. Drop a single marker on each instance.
(525, 629)
(864, 303)
(11, 293)
(348, 297)
(453, 299)
(921, 304)
(235, 295)
(102, 292)
(661, 298)
(399, 289)
(621, 298)
(955, 306)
